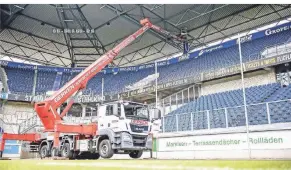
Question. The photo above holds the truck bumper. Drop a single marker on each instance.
(135, 142)
(135, 148)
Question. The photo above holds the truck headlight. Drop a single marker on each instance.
(126, 137)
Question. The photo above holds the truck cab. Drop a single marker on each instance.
(124, 127)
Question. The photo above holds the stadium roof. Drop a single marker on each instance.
(28, 31)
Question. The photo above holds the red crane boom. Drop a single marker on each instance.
(47, 110)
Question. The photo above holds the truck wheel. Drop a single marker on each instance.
(105, 149)
(66, 151)
(43, 152)
(54, 152)
(135, 154)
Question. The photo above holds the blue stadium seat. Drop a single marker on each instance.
(116, 82)
(230, 103)
(45, 81)
(20, 81)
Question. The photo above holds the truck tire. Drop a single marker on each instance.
(54, 152)
(44, 152)
(135, 154)
(105, 149)
(66, 152)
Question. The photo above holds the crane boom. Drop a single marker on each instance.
(47, 110)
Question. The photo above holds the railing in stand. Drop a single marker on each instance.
(258, 114)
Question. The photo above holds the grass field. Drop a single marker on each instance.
(142, 165)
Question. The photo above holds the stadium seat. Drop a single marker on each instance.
(117, 82)
(226, 109)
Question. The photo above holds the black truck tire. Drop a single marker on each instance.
(135, 154)
(66, 152)
(44, 151)
(105, 149)
(54, 152)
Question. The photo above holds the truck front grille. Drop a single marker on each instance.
(139, 140)
(138, 128)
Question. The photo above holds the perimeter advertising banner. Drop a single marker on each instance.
(248, 66)
(236, 141)
(11, 146)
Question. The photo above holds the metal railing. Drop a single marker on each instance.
(258, 114)
(29, 124)
(271, 51)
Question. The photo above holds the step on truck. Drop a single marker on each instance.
(68, 139)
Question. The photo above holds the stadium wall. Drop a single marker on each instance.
(225, 144)
(256, 78)
(13, 113)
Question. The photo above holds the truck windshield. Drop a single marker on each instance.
(136, 111)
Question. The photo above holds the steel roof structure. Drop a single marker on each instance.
(39, 33)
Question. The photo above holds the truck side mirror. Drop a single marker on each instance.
(156, 114)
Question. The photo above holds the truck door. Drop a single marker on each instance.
(106, 119)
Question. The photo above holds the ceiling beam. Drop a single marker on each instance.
(218, 19)
(90, 27)
(84, 46)
(83, 27)
(13, 55)
(62, 17)
(114, 18)
(232, 27)
(38, 20)
(13, 16)
(192, 38)
(134, 21)
(251, 20)
(166, 21)
(87, 54)
(34, 48)
(202, 14)
(37, 36)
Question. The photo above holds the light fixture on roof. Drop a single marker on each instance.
(102, 6)
(17, 6)
(184, 31)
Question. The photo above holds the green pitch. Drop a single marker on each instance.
(142, 165)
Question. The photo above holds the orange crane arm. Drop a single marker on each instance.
(47, 110)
